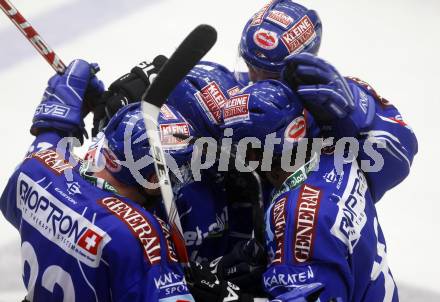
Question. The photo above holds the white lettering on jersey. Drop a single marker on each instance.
(304, 275)
(382, 268)
(351, 217)
(73, 233)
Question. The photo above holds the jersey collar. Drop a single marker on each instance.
(96, 181)
(296, 178)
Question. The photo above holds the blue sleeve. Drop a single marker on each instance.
(281, 278)
(391, 138)
(48, 140)
(8, 204)
(143, 263)
(160, 283)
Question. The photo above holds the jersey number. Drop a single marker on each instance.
(52, 275)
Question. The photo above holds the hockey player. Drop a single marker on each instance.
(202, 204)
(279, 29)
(200, 97)
(86, 236)
(282, 41)
(318, 228)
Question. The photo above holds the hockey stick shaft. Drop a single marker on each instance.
(32, 35)
(186, 56)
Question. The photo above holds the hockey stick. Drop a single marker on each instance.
(31, 34)
(186, 56)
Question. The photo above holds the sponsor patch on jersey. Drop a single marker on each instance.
(168, 134)
(212, 100)
(234, 91)
(73, 233)
(296, 38)
(266, 39)
(279, 223)
(279, 18)
(139, 226)
(90, 241)
(169, 284)
(296, 130)
(259, 16)
(53, 160)
(306, 219)
(351, 217)
(287, 278)
(167, 114)
(236, 109)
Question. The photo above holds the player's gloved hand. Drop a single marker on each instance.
(340, 106)
(304, 293)
(205, 286)
(127, 89)
(243, 266)
(62, 107)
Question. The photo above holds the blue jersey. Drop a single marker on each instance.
(326, 230)
(204, 215)
(80, 242)
(394, 141)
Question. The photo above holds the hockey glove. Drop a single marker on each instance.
(243, 266)
(127, 89)
(205, 286)
(339, 107)
(61, 108)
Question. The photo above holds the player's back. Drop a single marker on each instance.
(330, 235)
(83, 243)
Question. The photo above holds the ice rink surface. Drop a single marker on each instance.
(393, 45)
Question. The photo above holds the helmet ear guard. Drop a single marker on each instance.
(278, 30)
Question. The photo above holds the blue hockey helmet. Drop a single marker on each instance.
(280, 28)
(202, 94)
(126, 151)
(263, 108)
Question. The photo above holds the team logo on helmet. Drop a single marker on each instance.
(296, 130)
(236, 109)
(258, 17)
(279, 18)
(299, 36)
(171, 135)
(212, 99)
(167, 113)
(266, 39)
(234, 91)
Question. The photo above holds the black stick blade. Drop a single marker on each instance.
(186, 56)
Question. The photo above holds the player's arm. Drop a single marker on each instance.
(388, 136)
(351, 108)
(141, 258)
(59, 114)
(62, 109)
